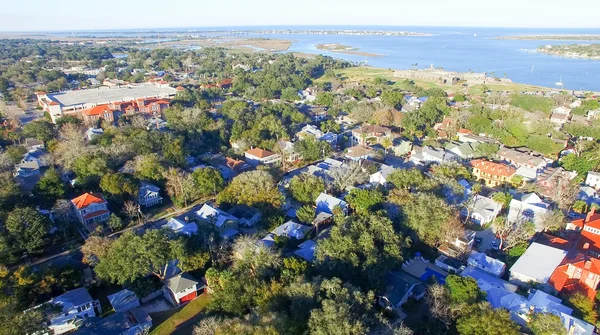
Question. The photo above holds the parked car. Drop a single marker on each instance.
(478, 240)
(495, 245)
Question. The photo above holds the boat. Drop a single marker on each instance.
(560, 82)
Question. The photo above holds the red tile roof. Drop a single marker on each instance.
(495, 169)
(87, 199)
(98, 110)
(260, 153)
(180, 88)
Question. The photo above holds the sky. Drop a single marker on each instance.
(44, 15)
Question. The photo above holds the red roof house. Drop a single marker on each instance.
(91, 208)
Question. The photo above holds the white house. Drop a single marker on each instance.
(257, 156)
(91, 208)
(38, 155)
(529, 208)
(226, 224)
(486, 263)
(593, 180)
(380, 177)
(326, 203)
(182, 288)
(93, 132)
(482, 210)
(76, 306)
(124, 300)
(27, 169)
(182, 226)
(537, 265)
(246, 215)
(292, 230)
(149, 195)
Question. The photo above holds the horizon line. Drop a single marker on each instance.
(288, 26)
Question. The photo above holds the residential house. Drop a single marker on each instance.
(91, 208)
(358, 153)
(370, 134)
(399, 286)
(326, 203)
(306, 251)
(292, 230)
(465, 151)
(588, 195)
(449, 264)
(577, 273)
(482, 210)
(182, 225)
(537, 265)
(247, 216)
(27, 169)
(316, 114)
(529, 208)
(33, 143)
(76, 306)
(486, 263)
(39, 155)
(182, 288)
(156, 123)
(501, 294)
(589, 242)
(380, 177)
(93, 132)
(148, 195)
(559, 118)
(424, 270)
(226, 223)
(124, 300)
(132, 322)
(550, 180)
(459, 245)
(432, 155)
(443, 128)
(520, 158)
(593, 180)
(494, 174)
(312, 131)
(257, 156)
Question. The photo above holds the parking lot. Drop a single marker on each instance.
(487, 237)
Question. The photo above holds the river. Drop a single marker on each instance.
(452, 48)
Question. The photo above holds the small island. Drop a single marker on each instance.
(345, 49)
(584, 51)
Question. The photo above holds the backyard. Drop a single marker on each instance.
(182, 320)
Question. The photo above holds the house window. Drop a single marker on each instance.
(591, 275)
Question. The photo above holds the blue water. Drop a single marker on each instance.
(452, 48)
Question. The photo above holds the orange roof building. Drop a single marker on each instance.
(91, 208)
(257, 156)
(578, 273)
(494, 174)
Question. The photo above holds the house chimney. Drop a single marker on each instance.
(590, 214)
(588, 265)
(586, 246)
(186, 218)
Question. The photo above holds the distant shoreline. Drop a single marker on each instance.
(344, 49)
(584, 37)
(578, 51)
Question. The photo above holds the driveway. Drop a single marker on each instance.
(487, 236)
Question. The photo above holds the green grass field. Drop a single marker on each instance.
(187, 313)
(366, 74)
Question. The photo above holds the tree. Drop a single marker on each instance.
(255, 260)
(363, 201)
(49, 188)
(464, 290)
(564, 192)
(306, 214)
(94, 249)
(42, 130)
(27, 227)
(580, 206)
(181, 187)
(289, 94)
(118, 184)
(132, 256)
(411, 179)
(208, 181)
(486, 320)
(546, 324)
(583, 307)
(254, 188)
(149, 167)
(344, 310)
(502, 198)
(115, 223)
(553, 221)
(393, 98)
(348, 175)
(512, 233)
(312, 149)
(486, 150)
(306, 188)
(361, 249)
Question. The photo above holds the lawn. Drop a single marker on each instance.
(188, 312)
(368, 74)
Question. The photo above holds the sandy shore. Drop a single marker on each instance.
(344, 49)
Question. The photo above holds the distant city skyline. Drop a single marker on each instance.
(38, 15)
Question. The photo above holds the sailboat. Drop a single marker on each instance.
(560, 83)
